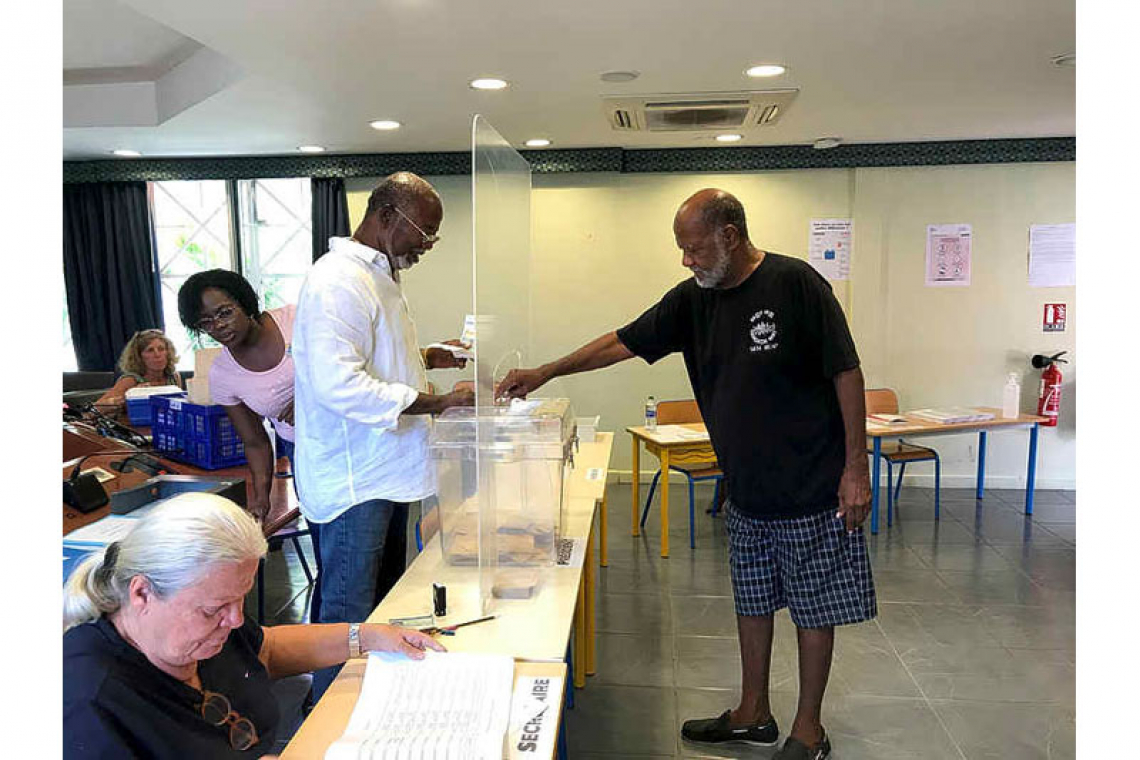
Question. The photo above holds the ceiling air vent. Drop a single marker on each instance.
(622, 119)
(703, 112)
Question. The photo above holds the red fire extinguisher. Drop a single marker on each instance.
(1049, 394)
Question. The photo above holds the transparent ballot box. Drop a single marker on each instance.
(501, 475)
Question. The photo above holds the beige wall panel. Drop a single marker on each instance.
(604, 251)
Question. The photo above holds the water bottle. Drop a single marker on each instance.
(1011, 397)
(650, 413)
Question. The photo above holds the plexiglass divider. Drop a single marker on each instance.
(500, 192)
(502, 468)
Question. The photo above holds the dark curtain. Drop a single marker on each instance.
(108, 268)
(330, 213)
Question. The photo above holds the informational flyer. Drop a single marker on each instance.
(948, 255)
(829, 248)
(1052, 255)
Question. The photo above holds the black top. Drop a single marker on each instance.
(116, 704)
(761, 358)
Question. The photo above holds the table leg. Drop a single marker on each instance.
(635, 485)
(877, 450)
(664, 502)
(580, 637)
(602, 529)
(981, 464)
(1031, 471)
(588, 578)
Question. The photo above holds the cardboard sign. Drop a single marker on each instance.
(533, 726)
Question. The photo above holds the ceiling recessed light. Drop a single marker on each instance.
(729, 138)
(384, 125)
(124, 153)
(310, 149)
(766, 70)
(538, 142)
(489, 84)
(1068, 60)
(620, 76)
(824, 143)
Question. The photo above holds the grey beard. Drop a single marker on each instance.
(711, 278)
(404, 262)
(711, 282)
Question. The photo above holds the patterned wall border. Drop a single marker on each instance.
(585, 160)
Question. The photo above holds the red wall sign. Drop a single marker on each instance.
(1054, 319)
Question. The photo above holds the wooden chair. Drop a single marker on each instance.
(886, 401)
(680, 413)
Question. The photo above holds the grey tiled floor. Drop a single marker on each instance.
(971, 656)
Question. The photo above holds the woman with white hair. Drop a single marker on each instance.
(158, 659)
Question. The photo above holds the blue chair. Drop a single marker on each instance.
(695, 471)
(886, 401)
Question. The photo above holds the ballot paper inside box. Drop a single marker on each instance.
(501, 478)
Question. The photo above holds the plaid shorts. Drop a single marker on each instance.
(811, 565)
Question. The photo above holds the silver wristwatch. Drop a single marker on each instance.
(354, 649)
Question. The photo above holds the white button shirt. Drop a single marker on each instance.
(358, 366)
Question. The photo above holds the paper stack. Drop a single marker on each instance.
(678, 434)
(952, 414)
(198, 387)
(886, 419)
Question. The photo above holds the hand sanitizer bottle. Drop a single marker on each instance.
(651, 413)
(1011, 397)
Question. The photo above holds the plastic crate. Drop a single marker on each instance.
(139, 411)
(197, 434)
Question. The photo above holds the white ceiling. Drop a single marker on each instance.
(104, 40)
(317, 73)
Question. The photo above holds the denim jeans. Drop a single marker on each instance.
(363, 554)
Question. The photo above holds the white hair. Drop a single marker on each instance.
(173, 547)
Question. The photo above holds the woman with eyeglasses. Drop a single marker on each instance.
(253, 376)
(148, 359)
(158, 658)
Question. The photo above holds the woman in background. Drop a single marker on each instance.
(253, 376)
(148, 359)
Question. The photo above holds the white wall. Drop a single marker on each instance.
(603, 252)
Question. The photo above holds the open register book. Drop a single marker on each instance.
(454, 706)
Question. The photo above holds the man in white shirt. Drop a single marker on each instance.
(362, 401)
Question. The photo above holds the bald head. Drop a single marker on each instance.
(713, 238)
(402, 220)
(405, 190)
(714, 209)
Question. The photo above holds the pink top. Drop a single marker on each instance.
(266, 393)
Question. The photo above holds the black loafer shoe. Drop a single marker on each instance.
(794, 749)
(719, 730)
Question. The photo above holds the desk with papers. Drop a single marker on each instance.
(328, 721)
(690, 443)
(534, 632)
(918, 425)
(671, 444)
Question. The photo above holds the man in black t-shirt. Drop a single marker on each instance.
(777, 378)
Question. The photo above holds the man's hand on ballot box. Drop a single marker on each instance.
(520, 382)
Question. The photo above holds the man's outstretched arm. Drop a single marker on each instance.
(598, 353)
